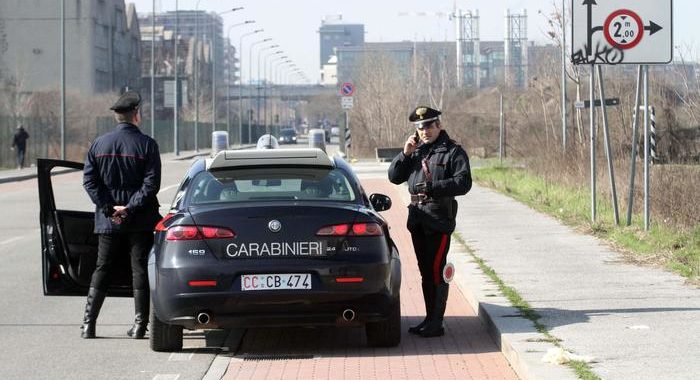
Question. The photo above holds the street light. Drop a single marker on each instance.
(213, 69)
(260, 80)
(250, 77)
(196, 76)
(267, 80)
(240, 84)
(175, 128)
(280, 61)
(228, 85)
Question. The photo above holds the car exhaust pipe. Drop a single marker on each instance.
(203, 318)
(348, 315)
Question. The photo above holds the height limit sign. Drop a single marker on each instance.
(622, 31)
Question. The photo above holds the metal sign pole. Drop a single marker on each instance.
(346, 143)
(646, 147)
(591, 94)
(608, 150)
(500, 131)
(341, 135)
(635, 124)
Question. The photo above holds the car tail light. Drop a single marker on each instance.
(198, 233)
(202, 283)
(349, 280)
(160, 227)
(357, 229)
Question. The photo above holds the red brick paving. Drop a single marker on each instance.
(465, 352)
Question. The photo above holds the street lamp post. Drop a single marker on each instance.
(213, 69)
(63, 79)
(258, 88)
(250, 80)
(267, 80)
(228, 85)
(176, 149)
(240, 85)
(196, 76)
(153, 71)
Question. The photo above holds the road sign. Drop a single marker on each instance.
(346, 102)
(622, 31)
(587, 103)
(347, 89)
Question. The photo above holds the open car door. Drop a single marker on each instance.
(68, 244)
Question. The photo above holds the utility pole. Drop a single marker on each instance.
(176, 149)
(63, 79)
(153, 71)
(563, 74)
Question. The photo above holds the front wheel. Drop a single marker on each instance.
(386, 333)
(164, 337)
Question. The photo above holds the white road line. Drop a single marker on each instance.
(161, 376)
(180, 357)
(170, 187)
(8, 241)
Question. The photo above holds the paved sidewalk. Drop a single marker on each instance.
(465, 352)
(637, 322)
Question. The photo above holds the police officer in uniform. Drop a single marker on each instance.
(436, 170)
(122, 177)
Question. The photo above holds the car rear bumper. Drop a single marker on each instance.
(226, 305)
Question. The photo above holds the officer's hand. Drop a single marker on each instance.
(411, 145)
(424, 187)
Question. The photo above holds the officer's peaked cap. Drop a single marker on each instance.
(129, 101)
(423, 114)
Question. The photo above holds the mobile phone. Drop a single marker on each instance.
(416, 138)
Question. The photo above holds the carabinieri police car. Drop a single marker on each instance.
(279, 237)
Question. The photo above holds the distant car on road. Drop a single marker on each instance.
(272, 237)
(288, 136)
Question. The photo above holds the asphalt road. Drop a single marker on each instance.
(40, 336)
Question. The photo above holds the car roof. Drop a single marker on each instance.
(229, 159)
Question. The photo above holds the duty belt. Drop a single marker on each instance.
(420, 198)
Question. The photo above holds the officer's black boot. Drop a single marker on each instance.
(434, 325)
(429, 299)
(93, 305)
(141, 307)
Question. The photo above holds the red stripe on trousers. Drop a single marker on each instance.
(438, 259)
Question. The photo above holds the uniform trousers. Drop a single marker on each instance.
(431, 249)
(135, 244)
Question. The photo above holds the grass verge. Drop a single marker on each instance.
(676, 249)
(581, 369)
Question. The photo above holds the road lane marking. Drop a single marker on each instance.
(10, 240)
(170, 187)
(161, 376)
(180, 356)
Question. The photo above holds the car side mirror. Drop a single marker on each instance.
(380, 202)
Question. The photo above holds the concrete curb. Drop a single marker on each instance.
(516, 336)
(32, 175)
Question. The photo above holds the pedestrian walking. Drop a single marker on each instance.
(122, 177)
(19, 143)
(437, 170)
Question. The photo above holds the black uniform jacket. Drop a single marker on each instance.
(448, 165)
(122, 168)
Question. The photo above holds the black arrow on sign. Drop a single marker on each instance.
(590, 4)
(652, 27)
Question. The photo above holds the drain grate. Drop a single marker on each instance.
(277, 357)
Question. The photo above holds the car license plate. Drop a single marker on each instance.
(275, 281)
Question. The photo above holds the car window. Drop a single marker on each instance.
(260, 185)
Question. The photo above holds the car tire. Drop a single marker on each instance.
(386, 333)
(164, 337)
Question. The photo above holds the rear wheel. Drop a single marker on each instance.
(386, 333)
(164, 337)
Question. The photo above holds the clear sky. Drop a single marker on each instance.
(294, 24)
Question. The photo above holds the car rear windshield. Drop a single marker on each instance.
(270, 184)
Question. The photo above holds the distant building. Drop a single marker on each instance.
(102, 45)
(334, 33)
(200, 39)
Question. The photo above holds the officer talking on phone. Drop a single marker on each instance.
(437, 170)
